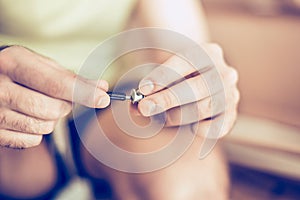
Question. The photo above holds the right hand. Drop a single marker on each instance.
(35, 92)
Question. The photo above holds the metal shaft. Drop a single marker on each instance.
(118, 96)
(135, 96)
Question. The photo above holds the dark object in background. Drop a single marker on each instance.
(252, 184)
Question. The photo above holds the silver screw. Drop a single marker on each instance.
(136, 96)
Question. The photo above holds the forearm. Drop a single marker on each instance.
(183, 16)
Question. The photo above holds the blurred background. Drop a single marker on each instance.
(261, 39)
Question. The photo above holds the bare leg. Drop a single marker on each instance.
(187, 178)
(26, 173)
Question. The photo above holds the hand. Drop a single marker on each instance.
(177, 87)
(35, 92)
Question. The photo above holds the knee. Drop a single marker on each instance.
(187, 178)
(27, 174)
(188, 187)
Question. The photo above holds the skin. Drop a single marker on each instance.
(186, 178)
(36, 104)
(150, 85)
(29, 109)
(36, 176)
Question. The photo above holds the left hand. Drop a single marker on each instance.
(177, 74)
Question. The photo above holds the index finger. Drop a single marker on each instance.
(176, 68)
(44, 75)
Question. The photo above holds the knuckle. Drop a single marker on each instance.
(204, 108)
(3, 80)
(235, 72)
(167, 100)
(217, 128)
(54, 88)
(236, 96)
(210, 106)
(173, 117)
(19, 125)
(229, 122)
(37, 126)
(214, 106)
(232, 97)
(164, 77)
(54, 112)
(40, 107)
(199, 88)
(216, 48)
(200, 129)
(5, 59)
(33, 126)
(229, 119)
(35, 106)
(3, 118)
(8, 57)
(233, 75)
(51, 112)
(6, 96)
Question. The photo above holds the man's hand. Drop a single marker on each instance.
(35, 92)
(177, 87)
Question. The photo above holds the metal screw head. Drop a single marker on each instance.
(136, 96)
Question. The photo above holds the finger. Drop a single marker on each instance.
(206, 108)
(217, 127)
(15, 121)
(14, 139)
(196, 111)
(32, 103)
(191, 90)
(30, 69)
(194, 59)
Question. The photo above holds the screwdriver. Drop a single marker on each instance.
(135, 96)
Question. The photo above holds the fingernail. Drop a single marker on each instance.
(148, 108)
(103, 102)
(146, 86)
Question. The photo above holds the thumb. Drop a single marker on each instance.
(91, 93)
(46, 76)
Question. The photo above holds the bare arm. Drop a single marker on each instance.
(182, 16)
(185, 17)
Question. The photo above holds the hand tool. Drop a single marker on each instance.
(135, 96)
